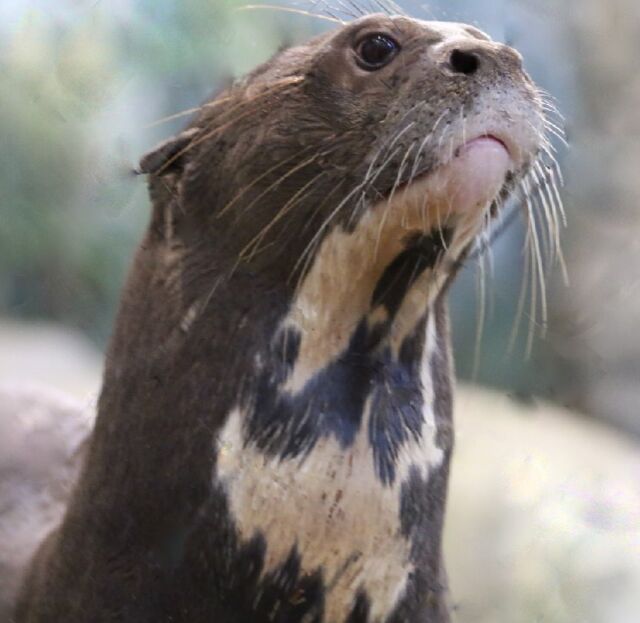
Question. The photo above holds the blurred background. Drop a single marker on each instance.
(545, 508)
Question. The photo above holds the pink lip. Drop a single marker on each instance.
(485, 141)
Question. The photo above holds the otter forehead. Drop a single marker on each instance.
(411, 32)
(434, 30)
(442, 30)
(430, 31)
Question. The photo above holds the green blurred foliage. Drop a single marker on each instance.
(78, 97)
(51, 85)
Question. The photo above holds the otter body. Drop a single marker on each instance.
(274, 429)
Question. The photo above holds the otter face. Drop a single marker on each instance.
(433, 118)
(438, 91)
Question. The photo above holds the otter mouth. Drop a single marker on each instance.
(484, 141)
(472, 177)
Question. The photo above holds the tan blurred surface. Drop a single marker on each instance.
(42, 353)
(544, 515)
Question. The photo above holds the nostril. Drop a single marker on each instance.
(466, 63)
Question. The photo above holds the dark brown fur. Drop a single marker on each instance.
(147, 535)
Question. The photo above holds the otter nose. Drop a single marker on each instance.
(464, 62)
(469, 56)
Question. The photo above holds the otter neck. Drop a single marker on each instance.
(356, 338)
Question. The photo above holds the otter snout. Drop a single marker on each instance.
(470, 57)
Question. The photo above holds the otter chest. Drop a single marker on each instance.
(331, 507)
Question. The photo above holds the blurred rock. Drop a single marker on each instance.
(544, 516)
(41, 441)
(49, 378)
(42, 353)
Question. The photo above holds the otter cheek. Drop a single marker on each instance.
(474, 177)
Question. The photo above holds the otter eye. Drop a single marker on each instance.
(376, 51)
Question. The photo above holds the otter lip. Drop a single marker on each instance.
(486, 140)
(474, 173)
(471, 179)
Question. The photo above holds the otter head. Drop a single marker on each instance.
(351, 174)
(385, 108)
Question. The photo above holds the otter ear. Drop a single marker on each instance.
(168, 156)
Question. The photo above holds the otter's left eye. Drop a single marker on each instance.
(376, 51)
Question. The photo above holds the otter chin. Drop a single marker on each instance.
(477, 173)
(275, 424)
(465, 185)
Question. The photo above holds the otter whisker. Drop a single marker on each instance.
(369, 179)
(324, 225)
(549, 194)
(290, 81)
(381, 6)
(534, 285)
(442, 134)
(535, 190)
(420, 152)
(548, 151)
(385, 148)
(554, 171)
(369, 176)
(206, 135)
(302, 270)
(481, 291)
(550, 109)
(550, 234)
(414, 170)
(463, 118)
(554, 195)
(329, 10)
(388, 206)
(546, 95)
(189, 111)
(347, 10)
(424, 203)
(497, 230)
(214, 104)
(178, 115)
(451, 153)
(341, 6)
(282, 178)
(283, 9)
(488, 219)
(549, 102)
(557, 133)
(539, 266)
(357, 8)
(530, 281)
(481, 288)
(550, 206)
(551, 125)
(522, 298)
(391, 7)
(401, 169)
(325, 200)
(286, 208)
(258, 179)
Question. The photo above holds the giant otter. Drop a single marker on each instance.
(274, 429)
